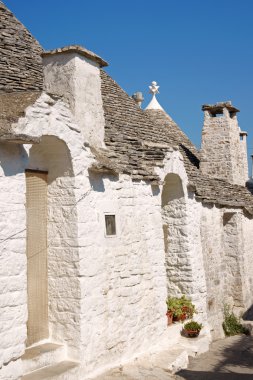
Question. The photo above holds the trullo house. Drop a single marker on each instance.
(106, 210)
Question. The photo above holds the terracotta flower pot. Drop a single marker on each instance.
(191, 333)
(170, 317)
(181, 317)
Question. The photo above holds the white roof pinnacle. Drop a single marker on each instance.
(154, 105)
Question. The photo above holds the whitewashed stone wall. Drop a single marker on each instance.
(213, 252)
(247, 228)
(63, 154)
(233, 259)
(181, 224)
(49, 118)
(77, 80)
(244, 155)
(62, 246)
(123, 276)
(13, 310)
(107, 294)
(228, 262)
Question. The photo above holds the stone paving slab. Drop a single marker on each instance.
(227, 359)
(136, 373)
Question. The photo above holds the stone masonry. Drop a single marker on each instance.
(20, 56)
(222, 152)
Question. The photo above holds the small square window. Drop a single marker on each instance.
(110, 225)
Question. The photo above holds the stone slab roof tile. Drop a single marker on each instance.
(20, 56)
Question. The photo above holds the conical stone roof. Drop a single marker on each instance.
(20, 56)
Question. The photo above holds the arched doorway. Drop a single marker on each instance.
(52, 253)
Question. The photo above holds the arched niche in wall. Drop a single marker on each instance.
(175, 235)
(52, 156)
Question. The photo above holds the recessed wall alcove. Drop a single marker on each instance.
(175, 235)
(60, 251)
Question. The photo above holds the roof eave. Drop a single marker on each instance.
(19, 138)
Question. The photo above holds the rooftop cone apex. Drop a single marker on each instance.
(154, 105)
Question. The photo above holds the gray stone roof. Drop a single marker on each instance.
(178, 138)
(138, 140)
(212, 190)
(21, 74)
(134, 143)
(20, 56)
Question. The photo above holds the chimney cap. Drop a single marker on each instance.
(79, 50)
(218, 107)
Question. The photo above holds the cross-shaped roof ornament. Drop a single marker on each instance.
(154, 105)
(154, 88)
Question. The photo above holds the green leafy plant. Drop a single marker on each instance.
(193, 326)
(231, 324)
(181, 308)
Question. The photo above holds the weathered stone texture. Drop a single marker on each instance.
(246, 238)
(123, 276)
(76, 79)
(12, 107)
(233, 259)
(61, 152)
(244, 155)
(176, 238)
(221, 151)
(52, 155)
(228, 262)
(21, 77)
(80, 50)
(212, 247)
(13, 310)
(20, 56)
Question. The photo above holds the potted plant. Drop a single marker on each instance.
(192, 329)
(181, 308)
(169, 317)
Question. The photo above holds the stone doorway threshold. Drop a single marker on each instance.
(46, 361)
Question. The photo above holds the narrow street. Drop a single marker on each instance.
(228, 359)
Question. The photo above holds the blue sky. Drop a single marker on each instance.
(198, 51)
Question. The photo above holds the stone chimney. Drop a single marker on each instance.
(224, 147)
(73, 73)
(138, 98)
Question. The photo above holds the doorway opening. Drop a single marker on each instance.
(53, 280)
(36, 206)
